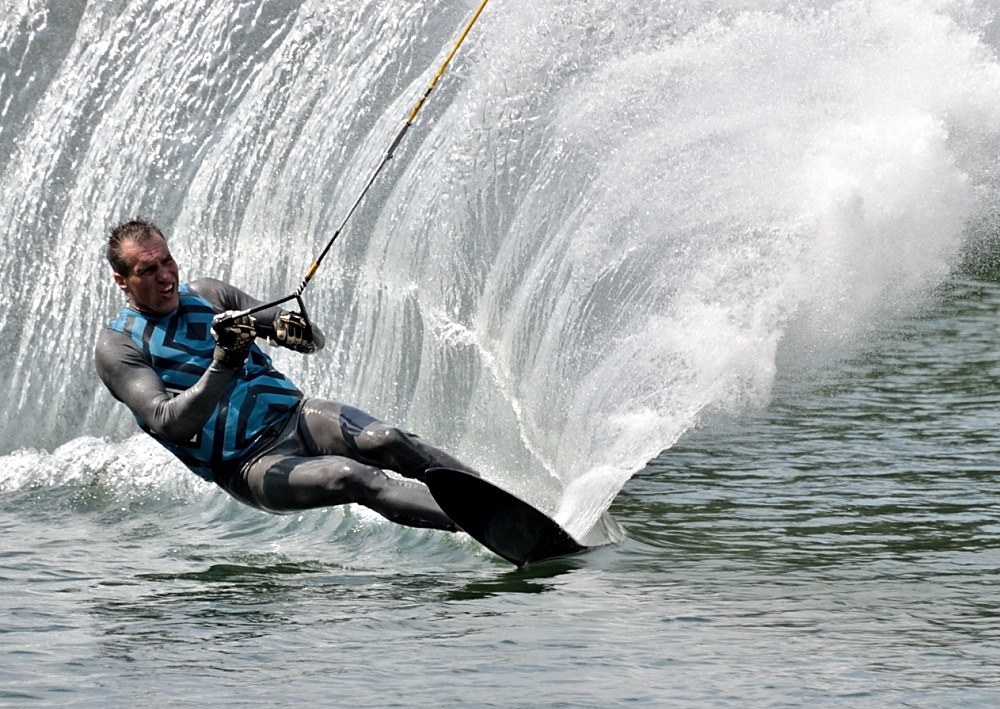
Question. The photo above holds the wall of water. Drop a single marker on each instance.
(611, 219)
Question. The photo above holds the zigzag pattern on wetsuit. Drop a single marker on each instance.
(179, 347)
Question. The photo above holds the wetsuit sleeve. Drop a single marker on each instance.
(133, 381)
(227, 297)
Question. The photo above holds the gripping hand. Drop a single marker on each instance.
(232, 340)
(293, 331)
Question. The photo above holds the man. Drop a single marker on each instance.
(211, 396)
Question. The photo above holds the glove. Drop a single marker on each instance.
(232, 342)
(293, 331)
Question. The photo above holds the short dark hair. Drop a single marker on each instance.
(138, 230)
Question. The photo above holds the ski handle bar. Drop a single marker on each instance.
(264, 329)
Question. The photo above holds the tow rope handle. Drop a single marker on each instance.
(265, 329)
(297, 295)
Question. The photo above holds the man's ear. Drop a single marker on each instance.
(120, 280)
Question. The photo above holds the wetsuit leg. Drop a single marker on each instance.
(331, 428)
(285, 483)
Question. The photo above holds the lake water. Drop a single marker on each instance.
(730, 273)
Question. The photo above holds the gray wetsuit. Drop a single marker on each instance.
(319, 453)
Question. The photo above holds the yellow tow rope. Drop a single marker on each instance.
(447, 60)
(388, 156)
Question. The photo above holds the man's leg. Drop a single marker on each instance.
(331, 428)
(284, 483)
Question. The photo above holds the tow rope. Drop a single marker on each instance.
(297, 295)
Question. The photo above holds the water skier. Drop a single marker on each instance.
(215, 400)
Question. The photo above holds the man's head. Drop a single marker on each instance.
(143, 266)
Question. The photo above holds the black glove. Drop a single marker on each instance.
(293, 331)
(234, 340)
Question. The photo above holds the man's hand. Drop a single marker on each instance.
(233, 340)
(293, 331)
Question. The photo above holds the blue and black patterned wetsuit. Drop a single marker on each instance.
(250, 430)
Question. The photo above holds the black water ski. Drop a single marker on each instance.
(503, 523)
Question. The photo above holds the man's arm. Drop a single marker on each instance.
(133, 381)
(227, 297)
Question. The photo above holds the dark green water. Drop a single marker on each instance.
(839, 548)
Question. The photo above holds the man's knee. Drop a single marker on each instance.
(362, 483)
(383, 436)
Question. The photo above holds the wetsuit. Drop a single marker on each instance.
(249, 429)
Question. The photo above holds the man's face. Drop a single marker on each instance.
(151, 285)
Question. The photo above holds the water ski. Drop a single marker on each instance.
(503, 523)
